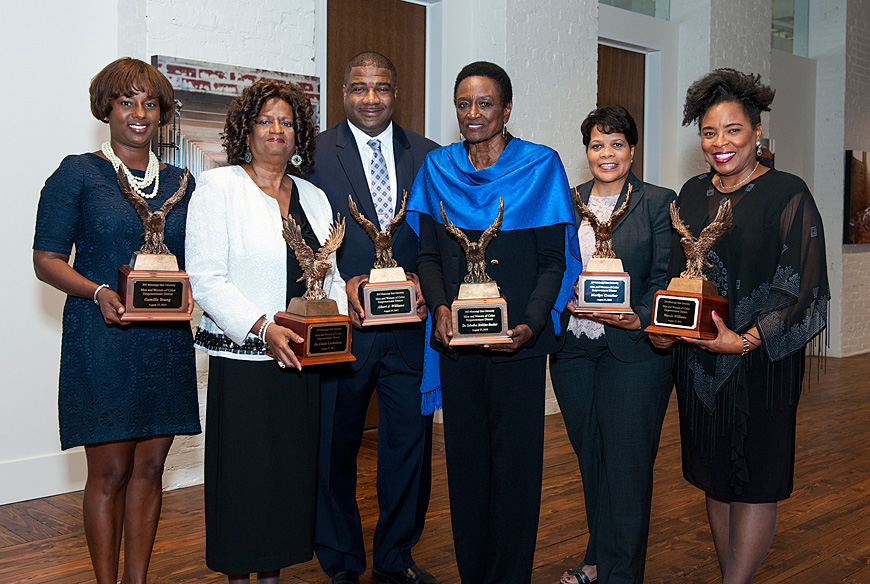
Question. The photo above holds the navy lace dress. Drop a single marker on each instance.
(115, 382)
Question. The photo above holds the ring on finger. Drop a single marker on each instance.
(281, 364)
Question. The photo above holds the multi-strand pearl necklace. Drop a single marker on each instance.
(152, 173)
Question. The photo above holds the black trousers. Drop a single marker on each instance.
(404, 463)
(494, 440)
(613, 412)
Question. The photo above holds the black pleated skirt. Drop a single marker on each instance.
(262, 426)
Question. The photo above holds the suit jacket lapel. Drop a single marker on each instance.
(636, 196)
(349, 159)
(404, 160)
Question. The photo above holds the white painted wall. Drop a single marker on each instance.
(49, 61)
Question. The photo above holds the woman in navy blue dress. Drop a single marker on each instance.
(125, 389)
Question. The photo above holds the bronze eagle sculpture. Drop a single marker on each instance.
(603, 230)
(314, 266)
(382, 238)
(154, 222)
(696, 249)
(475, 252)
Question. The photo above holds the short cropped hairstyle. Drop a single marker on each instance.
(127, 76)
(727, 85)
(370, 59)
(613, 119)
(490, 70)
(243, 113)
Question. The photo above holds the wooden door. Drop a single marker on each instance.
(393, 28)
(621, 81)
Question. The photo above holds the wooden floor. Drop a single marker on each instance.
(823, 533)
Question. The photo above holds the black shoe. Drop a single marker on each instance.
(413, 575)
(345, 577)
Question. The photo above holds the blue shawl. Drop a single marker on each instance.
(531, 180)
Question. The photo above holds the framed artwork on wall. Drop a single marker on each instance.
(856, 211)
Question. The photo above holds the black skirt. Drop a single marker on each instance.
(260, 465)
(745, 451)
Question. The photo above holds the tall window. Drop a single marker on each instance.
(657, 8)
(790, 26)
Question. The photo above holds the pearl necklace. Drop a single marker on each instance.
(152, 172)
(721, 186)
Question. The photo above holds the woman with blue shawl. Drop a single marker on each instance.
(493, 396)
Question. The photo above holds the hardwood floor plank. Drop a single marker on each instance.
(823, 533)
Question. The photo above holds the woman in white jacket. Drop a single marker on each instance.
(262, 413)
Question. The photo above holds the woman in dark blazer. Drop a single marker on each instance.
(612, 385)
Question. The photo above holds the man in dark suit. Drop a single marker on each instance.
(374, 161)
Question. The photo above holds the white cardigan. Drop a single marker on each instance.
(236, 257)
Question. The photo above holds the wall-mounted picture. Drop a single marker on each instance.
(856, 215)
(203, 92)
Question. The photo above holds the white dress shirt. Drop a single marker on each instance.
(365, 154)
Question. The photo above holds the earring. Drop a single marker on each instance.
(248, 157)
(296, 160)
(758, 147)
(504, 131)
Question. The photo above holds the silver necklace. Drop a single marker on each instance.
(721, 186)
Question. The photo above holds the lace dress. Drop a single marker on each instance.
(115, 382)
(737, 414)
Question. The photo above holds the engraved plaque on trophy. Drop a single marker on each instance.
(389, 296)
(151, 286)
(480, 310)
(603, 285)
(686, 308)
(325, 332)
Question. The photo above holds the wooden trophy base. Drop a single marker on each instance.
(389, 297)
(154, 294)
(479, 316)
(325, 333)
(603, 292)
(686, 308)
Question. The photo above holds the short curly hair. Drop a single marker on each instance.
(127, 76)
(244, 110)
(613, 119)
(490, 70)
(727, 85)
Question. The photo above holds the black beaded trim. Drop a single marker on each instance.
(221, 342)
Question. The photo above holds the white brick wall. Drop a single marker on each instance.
(268, 34)
(552, 57)
(827, 46)
(856, 299)
(740, 36)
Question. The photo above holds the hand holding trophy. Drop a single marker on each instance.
(389, 296)
(325, 332)
(685, 308)
(603, 285)
(151, 286)
(479, 312)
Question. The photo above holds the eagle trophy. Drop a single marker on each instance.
(603, 230)
(314, 266)
(475, 253)
(153, 221)
(382, 238)
(696, 249)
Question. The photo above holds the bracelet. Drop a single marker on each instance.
(97, 291)
(262, 333)
(747, 346)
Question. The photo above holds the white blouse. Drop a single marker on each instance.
(603, 209)
(236, 258)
